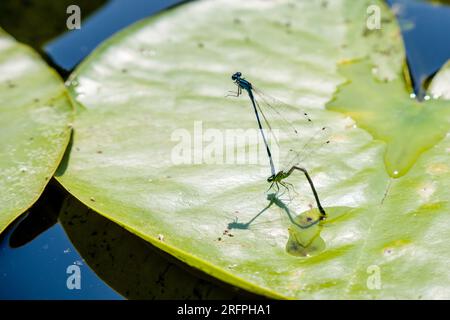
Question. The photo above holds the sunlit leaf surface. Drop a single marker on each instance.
(159, 88)
(35, 117)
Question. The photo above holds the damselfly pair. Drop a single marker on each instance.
(278, 109)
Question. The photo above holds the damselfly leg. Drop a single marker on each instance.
(287, 187)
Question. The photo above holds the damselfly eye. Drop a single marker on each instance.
(236, 75)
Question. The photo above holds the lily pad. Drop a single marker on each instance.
(439, 87)
(392, 116)
(153, 151)
(34, 126)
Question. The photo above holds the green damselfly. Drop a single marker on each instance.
(277, 178)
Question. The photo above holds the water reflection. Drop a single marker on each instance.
(304, 229)
(59, 231)
(35, 254)
(132, 266)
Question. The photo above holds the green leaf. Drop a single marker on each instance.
(162, 83)
(386, 111)
(34, 127)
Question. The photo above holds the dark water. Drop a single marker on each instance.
(70, 48)
(426, 34)
(35, 253)
(37, 250)
(38, 269)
